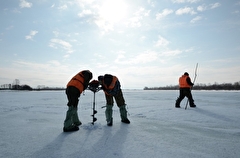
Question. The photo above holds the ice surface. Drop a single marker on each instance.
(32, 121)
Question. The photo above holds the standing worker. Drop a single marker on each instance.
(185, 85)
(73, 91)
(112, 88)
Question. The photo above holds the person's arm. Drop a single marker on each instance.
(189, 81)
(116, 88)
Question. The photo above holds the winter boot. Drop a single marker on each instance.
(71, 128)
(123, 114)
(192, 105)
(108, 114)
(177, 104)
(68, 123)
(110, 123)
(75, 118)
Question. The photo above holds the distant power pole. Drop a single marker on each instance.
(16, 84)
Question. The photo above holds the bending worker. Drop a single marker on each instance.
(74, 89)
(112, 88)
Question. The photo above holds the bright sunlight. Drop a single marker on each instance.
(113, 11)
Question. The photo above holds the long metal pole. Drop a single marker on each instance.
(193, 82)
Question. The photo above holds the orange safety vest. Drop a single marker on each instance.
(183, 82)
(77, 81)
(111, 86)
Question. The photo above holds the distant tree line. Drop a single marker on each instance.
(27, 87)
(16, 86)
(224, 86)
(50, 88)
(215, 86)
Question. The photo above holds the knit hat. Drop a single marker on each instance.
(186, 74)
(107, 79)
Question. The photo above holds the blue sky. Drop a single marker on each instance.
(143, 42)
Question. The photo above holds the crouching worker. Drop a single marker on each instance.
(73, 91)
(112, 88)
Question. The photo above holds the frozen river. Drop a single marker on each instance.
(32, 121)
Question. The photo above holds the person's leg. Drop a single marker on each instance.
(68, 123)
(180, 98)
(122, 106)
(108, 111)
(190, 99)
(75, 118)
(72, 95)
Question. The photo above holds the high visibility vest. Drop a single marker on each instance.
(111, 86)
(183, 82)
(77, 81)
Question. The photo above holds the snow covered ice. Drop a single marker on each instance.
(32, 121)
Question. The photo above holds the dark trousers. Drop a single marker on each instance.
(185, 92)
(118, 97)
(72, 95)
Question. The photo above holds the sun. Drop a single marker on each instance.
(113, 11)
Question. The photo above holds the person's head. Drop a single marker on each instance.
(107, 79)
(100, 79)
(87, 75)
(186, 74)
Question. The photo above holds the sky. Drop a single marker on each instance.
(145, 43)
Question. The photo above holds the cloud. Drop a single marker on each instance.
(151, 3)
(237, 3)
(142, 58)
(51, 73)
(31, 35)
(25, 4)
(104, 25)
(236, 12)
(142, 12)
(56, 33)
(202, 8)
(185, 1)
(85, 3)
(134, 22)
(56, 43)
(120, 56)
(142, 38)
(197, 18)
(145, 57)
(185, 10)
(171, 53)
(10, 27)
(161, 42)
(85, 12)
(63, 7)
(139, 15)
(33, 65)
(164, 13)
(215, 5)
